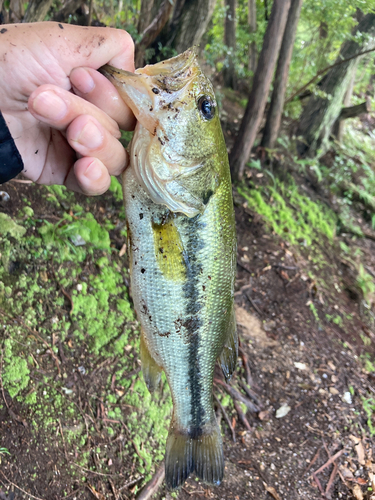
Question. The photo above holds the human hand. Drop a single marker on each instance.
(63, 115)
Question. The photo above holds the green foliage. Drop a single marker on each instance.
(15, 373)
(290, 214)
(116, 188)
(369, 407)
(366, 283)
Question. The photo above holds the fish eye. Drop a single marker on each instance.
(206, 107)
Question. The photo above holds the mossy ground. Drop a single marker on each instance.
(76, 419)
(69, 342)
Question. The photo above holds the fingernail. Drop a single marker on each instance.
(93, 172)
(82, 81)
(50, 106)
(90, 136)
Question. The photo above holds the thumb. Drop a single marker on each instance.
(83, 46)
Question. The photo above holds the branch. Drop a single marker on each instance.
(324, 70)
(153, 29)
(358, 109)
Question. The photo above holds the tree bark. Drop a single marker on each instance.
(260, 89)
(69, 8)
(189, 23)
(229, 72)
(339, 126)
(349, 112)
(321, 112)
(152, 31)
(252, 21)
(37, 11)
(281, 77)
(145, 17)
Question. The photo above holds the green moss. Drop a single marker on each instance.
(290, 214)
(11, 228)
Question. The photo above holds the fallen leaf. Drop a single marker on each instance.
(331, 366)
(283, 411)
(333, 391)
(272, 491)
(96, 494)
(360, 480)
(357, 492)
(300, 366)
(347, 398)
(358, 446)
(346, 473)
(123, 250)
(263, 415)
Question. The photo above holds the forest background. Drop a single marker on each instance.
(294, 81)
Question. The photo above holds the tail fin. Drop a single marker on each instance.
(202, 453)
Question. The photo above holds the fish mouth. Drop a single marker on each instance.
(143, 90)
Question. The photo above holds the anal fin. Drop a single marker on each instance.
(150, 369)
(229, 354)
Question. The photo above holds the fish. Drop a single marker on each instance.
(182, 251)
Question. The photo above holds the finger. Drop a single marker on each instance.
(98, 90)
(82, 46)
(58, 108)
(89, 176)
(88, 138)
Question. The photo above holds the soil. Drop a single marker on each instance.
(299, 362)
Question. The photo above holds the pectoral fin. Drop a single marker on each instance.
(229, 354)
(150, 369)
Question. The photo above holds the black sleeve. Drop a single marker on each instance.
(11, 163)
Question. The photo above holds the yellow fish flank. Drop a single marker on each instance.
(182, 251)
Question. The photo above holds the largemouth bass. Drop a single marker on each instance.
(182, 251)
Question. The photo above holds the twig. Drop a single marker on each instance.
(63, 440)
(114, 491)
(324, 70)
(237, 395)
(21, 181)
(331, 478)
(153, 485)
(226, 418)
(253, 304)
(319, 485)
(316, 456)
(243, 267)
(97, 473)
(1, 379)
(251, 394)
(130, 483)
(15, 486)
(245, 361)
(242, 417)
(332, 459)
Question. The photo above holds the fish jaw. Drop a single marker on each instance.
(135, 91)
(151, 90)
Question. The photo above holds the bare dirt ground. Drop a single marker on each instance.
(309, 436)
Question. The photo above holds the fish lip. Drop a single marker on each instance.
(133, 88)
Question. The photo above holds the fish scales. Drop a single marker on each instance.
(182, 251)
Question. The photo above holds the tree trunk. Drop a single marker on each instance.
(143, 22)
(189, 23)
(338, 128)
(229, 73)
(321, 112)
(349, 112)
(69, 8)
(16, 11)
(260, 89)
(281, 77)
(252, 21)
(37, 11)
(152, 31)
